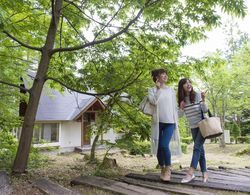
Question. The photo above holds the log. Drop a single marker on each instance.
(51, 188)
(5, 187)
(114, 186)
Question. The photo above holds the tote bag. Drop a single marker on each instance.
(210, 127)
(146, 107)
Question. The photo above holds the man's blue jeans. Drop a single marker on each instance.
(198, 150)
(165, 134)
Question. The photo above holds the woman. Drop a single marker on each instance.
(191, 103)
(164, 122)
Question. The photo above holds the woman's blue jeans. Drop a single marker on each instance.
(198, 150)
(165, 134)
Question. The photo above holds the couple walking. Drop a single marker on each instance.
(165, 123)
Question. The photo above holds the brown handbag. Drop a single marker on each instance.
(210, 127)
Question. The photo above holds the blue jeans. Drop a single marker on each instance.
(198, 150)
(165, 134)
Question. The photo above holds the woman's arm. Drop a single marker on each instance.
(153, 95)
(203, 104)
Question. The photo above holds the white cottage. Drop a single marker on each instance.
(63, 119)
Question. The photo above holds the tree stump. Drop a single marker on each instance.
(109, 163)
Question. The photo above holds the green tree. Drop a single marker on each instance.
(226, 77)
(235, 131)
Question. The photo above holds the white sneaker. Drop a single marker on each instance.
(188, 178)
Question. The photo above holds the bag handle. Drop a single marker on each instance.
(202, 113)
(209, 113)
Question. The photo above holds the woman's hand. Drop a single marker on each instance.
(182, 105)
(158, 84)
(203, 95)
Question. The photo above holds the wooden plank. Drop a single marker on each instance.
(166, 187)
(220, 175)
(5, 187)
(49, 187)
(245, 170)
(217, 180)
(114, 186)
(212, 178)
(194, 183)
(239, 173)
(228, 174)
(211, 181)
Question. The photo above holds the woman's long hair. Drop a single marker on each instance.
(181, 92)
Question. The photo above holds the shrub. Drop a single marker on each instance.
(242, 139)
(8, 148)
(187, 140)
(140, 148)
(184, 147)
(235, 131)
(248, 139)
(245, 151)
(36, 159)
(134, 147)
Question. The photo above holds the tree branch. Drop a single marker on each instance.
(21, 43)
(116, 13)
(79, 9)
(147, 50)
(102, 40)
(70, 23)
(13, 57)
(14, 85)
(95, 94)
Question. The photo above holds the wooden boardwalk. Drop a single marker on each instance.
(5, 187)
(48, 187)
(220, 180)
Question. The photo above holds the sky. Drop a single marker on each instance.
(216, 37)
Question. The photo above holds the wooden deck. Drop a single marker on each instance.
(48, 187)
(5, 186)
(220, 181)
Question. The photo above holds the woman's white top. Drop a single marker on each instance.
(165, 103)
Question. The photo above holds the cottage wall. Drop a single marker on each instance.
(70, 134)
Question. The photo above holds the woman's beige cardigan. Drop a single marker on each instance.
(175, 145)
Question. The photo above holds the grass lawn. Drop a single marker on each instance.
(62, 168)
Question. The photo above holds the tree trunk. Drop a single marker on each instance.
(222, 141)
(92, 154)
(21, 160)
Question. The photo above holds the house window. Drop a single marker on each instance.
(48, 132)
